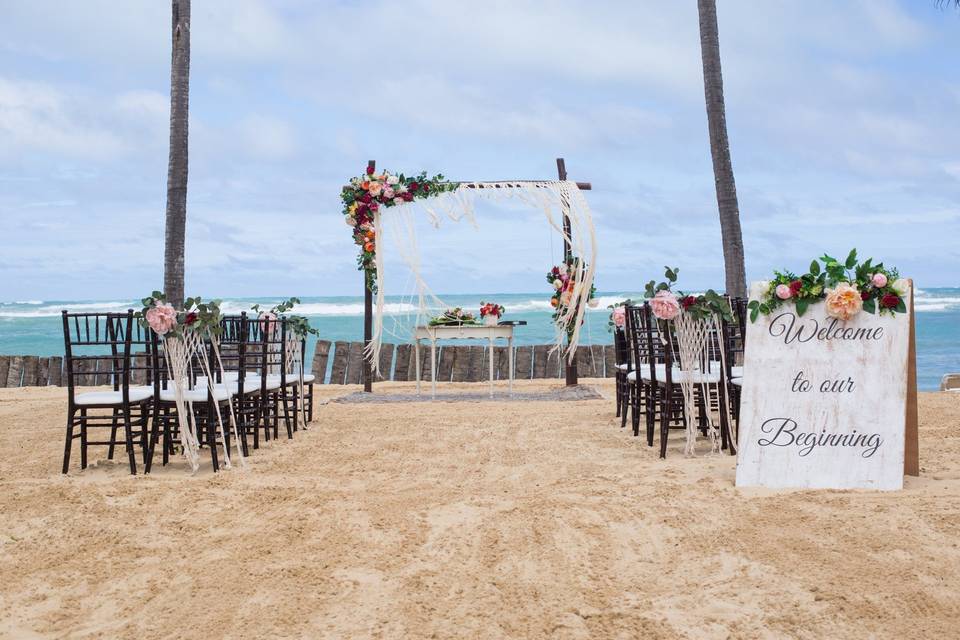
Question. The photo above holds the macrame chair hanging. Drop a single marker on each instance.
(180, 352)
(697, 369)
(554, 198)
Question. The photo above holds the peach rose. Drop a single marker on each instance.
(665, 305)
(843, 302)
(162, 318)
(375, 188)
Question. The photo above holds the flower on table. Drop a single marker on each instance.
(665, 305)
(843, 301)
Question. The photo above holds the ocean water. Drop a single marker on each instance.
(34, 327)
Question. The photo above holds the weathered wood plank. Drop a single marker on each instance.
(341, 353)
(524, 362)
(30, 366)
(461, 363)
(56, 371)
(355, 363)
(15, 371)
(477, 363)
(403, 362)
(501, 362)
(43, 372)
(587, 359)
(445, 368)
(540, 360)
(556, 364)
(321, 355)
(4, 370)
(424, 364)
(386, 360)
(609, 361)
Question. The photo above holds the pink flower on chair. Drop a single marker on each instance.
(619, 316)
(665, 305)
(162, 318)
(269, 321)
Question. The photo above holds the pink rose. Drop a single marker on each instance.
(388, 193)
(162, 318)
(784, 292)
(398, 200)
(375, 188)
(879, 280)
(619, 316)
(843, 302)
(269, 321)
(665, 305)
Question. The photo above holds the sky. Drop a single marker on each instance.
(841, 116)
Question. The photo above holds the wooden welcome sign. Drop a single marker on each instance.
(829, 404)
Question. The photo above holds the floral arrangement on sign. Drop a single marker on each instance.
(563, 280)
(666, 304)
(455, 316)
(618, 314)
(367, 193)
(299, 325)
(196, 316)
(846, 287)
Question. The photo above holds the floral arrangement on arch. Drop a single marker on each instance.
(666, 305)
(298, 325)
(847, 288)
(563, 280)
(166, 321)
(366, 194)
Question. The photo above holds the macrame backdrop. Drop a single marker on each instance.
(694, 337)
(553, 198)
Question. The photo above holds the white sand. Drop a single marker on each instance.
(492, 520)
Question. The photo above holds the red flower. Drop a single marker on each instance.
(889, 301)
(795, 287)
(407, 197)
(374, 206)
(425, 187)
(366, 198)
(191, 318)
(688, 302)
(864, 296)
(369, 169)
(413, 186)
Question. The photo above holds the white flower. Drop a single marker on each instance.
(392, 180)
(558, 284)
(401, 188)
(398, 200)
(901, 286)
(349, 220)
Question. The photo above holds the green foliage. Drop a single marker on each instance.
(298, 325)
(196, 315)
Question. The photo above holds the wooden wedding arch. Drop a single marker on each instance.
(570, 367)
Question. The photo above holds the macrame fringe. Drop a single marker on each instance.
(553, 198)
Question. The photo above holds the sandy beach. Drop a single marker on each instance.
(466, 520)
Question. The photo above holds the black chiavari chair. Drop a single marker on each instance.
(102, 343)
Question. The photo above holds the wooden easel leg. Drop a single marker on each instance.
(911, 449)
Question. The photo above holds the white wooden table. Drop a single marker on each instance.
(469, 332)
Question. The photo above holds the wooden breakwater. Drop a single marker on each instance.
(342, 363)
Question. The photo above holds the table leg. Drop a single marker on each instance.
(416, 355)
(510, 361)
(490, 358)
(433, 365)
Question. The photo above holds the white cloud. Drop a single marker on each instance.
(267, 137)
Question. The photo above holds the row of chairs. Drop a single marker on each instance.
(650, 372)
(261, 383)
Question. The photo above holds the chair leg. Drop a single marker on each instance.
(154, 437)
(83, 438)
(651, 413)
(128, 436)
(619, 391)
(211, 438)
(665, 420)
(309, 403)
(285, 400)
(66, 447)
(114, 423)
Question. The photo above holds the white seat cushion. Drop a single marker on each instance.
(197, 394)
(624, 367)
(308, 378)
(137, 394)
(736, 372)
(737, 381)
(676, 375)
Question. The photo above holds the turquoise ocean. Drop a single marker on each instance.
(33, 327)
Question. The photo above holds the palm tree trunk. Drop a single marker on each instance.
(736, 279)
(177, 168)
